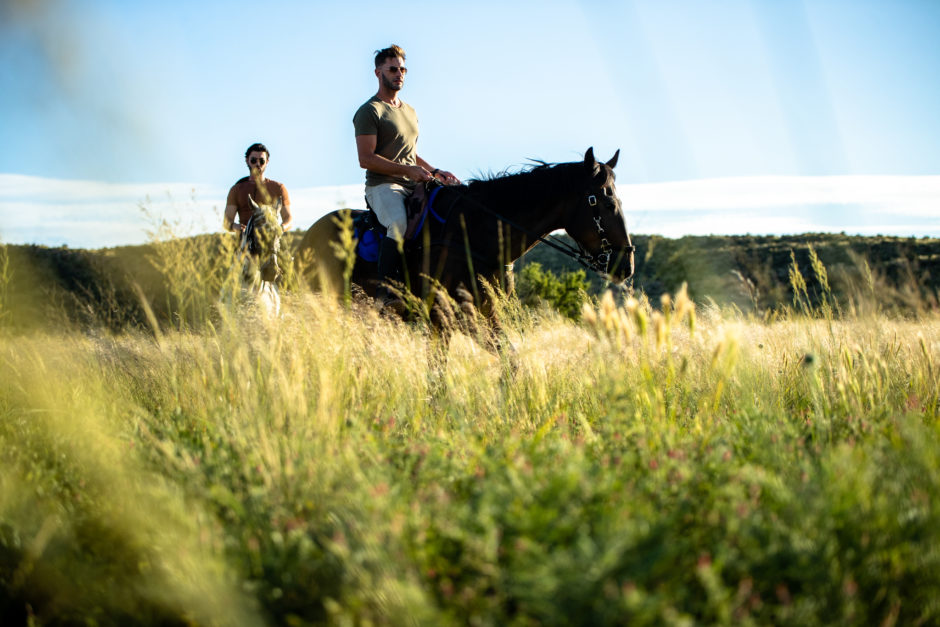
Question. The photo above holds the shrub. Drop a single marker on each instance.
(566, 293)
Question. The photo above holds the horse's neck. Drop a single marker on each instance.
(264, 217)
(542, 209)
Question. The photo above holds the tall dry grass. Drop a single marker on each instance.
(670, 464)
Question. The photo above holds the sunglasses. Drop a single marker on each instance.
(396, 70)
(257, 161)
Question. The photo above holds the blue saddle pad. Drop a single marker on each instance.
(368, 247)
(371, 238)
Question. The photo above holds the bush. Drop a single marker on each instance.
(566, 293)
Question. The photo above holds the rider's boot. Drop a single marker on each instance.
(389, 271)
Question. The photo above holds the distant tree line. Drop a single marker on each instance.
(39, 284)
(753, 273)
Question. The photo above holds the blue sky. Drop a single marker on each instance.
(154, 97)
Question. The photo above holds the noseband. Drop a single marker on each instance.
(600, 262)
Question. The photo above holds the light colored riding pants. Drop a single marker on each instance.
(388, 202)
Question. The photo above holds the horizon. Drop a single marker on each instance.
(138, 94)
(91, 215)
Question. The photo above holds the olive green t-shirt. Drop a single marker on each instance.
(396, 135)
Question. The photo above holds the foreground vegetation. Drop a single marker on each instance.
(669, 464)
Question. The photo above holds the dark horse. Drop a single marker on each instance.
(474, 231)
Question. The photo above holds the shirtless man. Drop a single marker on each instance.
(386, 137)
(263, 190)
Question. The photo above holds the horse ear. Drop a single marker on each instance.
(589, 160)
(613, 160)
(254, 205)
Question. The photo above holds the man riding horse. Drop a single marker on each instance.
(386, 137)
(464, 236)
(257, 187)
(257, 201)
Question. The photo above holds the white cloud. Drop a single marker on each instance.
(89, 214)
(902, 195)
(709, 222)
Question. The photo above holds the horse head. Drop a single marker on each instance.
(598, 224)
(261, 238)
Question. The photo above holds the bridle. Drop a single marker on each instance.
(599, 263)
(251, 243)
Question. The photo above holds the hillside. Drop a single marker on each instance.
(47, 286)
(749, 272)
(753, 271)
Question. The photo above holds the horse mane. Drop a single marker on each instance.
(534, 181)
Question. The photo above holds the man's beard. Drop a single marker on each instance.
(389, 84)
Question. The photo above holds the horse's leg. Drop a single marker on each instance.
(438, 345)
(481, 324)
(250, 280)
(270, 299)
(443, 320)
(507, 351)
(494, 336)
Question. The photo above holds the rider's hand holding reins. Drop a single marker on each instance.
(419, 174)
(445, 177)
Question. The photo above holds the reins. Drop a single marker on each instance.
(578, 254)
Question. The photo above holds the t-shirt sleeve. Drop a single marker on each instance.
(366, 121)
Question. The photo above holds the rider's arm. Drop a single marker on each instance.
(365, 146)
(444, 175)
(231, 210)
(228, 220)
(286, 217)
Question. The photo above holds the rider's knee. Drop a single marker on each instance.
(396, 230)
(388, 203)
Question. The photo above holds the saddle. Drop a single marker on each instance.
(370, 232)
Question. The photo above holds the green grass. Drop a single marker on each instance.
(670, 465)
